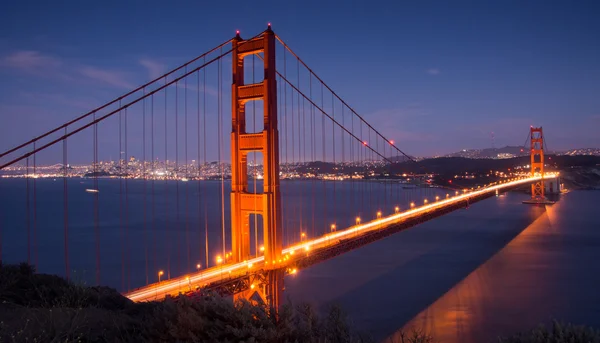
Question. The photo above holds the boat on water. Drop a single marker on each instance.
(91, 190)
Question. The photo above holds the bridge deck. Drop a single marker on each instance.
(318, 249)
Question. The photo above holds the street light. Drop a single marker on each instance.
(160, 273)
(412, 204)
(447, 195)
(198, 266)
(332, 227)
(262, 248)
(397, 209)
(357, 220)
(302, 236)
(425, 201)
(378, 214)
(437, 197)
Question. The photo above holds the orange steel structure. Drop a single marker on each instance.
(268, 203)
(537, 163)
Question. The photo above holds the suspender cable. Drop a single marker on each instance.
(185, 156)
(220, 110)
(27, 211)
(70, 123)
(122, 240)
(167, 235)
(198, 171)
(294, 208)
(335, 94)
(285, 209)
(204, 145)
(145, 178)
(335, 202)
(177, 179)
(127, 260)
(299, 146)
(313, 153)
(153, 166)
(96, 203)
(66, 206)
(85, 126)
(324, 161)
(35, 242)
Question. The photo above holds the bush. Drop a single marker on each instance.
(41, 308)
(560, 333)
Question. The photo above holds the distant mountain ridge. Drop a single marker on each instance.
(516, 151)
(505, 152)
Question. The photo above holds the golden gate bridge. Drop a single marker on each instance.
(241, 239)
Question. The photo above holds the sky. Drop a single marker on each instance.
(435, 76)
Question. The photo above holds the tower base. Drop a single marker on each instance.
(538, 202)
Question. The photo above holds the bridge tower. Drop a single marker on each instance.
(268, 203)
(537, 163)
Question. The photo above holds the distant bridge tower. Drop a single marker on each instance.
(268, 203)
(537, 163)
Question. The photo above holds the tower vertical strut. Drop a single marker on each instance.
(537, 162)
(268, 203)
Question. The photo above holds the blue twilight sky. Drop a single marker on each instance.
(435, 76)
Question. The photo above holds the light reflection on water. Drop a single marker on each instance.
(542, 274)
(499, 268)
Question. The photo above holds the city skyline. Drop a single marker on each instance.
(407, 77)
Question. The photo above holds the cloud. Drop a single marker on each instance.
(42, 65)
(193, 87)
(30, 61)
(155, 69)
(60, 99)
(433, 71)
(112, 78)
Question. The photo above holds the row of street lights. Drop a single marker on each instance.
(333, 228)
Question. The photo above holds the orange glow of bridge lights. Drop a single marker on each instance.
(160, 273)
(219, 259)
(378, 214)
(357, 220)
(252, 286)
(397, 209)
(198, 266)
(412, 204)
(332, 227)
(437, 197)
(425, 201)
(262, 248)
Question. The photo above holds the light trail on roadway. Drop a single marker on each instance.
(157, 291)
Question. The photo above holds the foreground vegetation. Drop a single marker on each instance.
(46, 308)
(558, 333)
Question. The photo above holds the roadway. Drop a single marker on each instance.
(298, 252)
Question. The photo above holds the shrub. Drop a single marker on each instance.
(560, 333)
